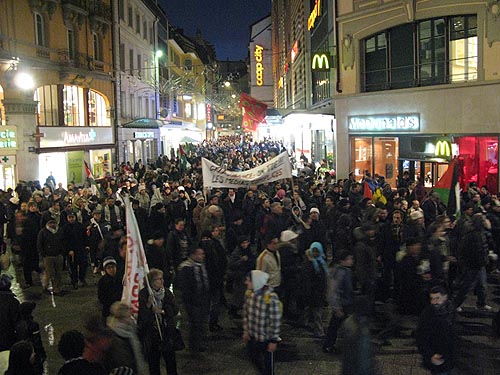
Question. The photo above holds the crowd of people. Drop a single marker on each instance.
(268, 254)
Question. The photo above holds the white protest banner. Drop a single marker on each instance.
(275, 169)
(136, 264)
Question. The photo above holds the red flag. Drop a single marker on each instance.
(367, 192)
(254, 112)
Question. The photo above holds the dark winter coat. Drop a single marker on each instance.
(435, 335)
(9, 314)
(109, 290)
(49, 244)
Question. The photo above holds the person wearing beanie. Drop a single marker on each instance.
(261, 321)
(109, 287)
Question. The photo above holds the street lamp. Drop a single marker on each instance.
(24, 81)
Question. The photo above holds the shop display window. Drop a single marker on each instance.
(479, 156)
(377, 155)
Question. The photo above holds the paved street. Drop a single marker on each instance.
(299, 354)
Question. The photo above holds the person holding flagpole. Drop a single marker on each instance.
(156, 323)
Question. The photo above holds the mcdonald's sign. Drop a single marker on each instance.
(321, 62)
(443, 149)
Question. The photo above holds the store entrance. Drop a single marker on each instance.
(429, 171)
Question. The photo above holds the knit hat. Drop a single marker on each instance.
(313, 210)
(107, 261)
(142, 187)
(288, 235)
(415, 215)
(259, 279)
(281, 193)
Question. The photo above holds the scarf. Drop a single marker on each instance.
(201, 277)
(158, 296)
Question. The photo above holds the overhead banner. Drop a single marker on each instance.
(275, 169)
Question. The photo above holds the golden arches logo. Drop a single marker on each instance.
(320, 61)
(443, 149)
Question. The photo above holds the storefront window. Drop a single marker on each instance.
(73, 106)
(377, 155)
(386, 158)
(101, 162)
(361, 155)
(480, 161)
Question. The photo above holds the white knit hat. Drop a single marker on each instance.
(259, 279)
(288, 235)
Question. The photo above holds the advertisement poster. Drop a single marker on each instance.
(74, 167)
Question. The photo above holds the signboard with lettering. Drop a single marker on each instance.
(144, 135)
(8, 137)
(275, 169)
(75, 136)
(385, 123)
(321, 62)
(259, 67)
(315, 13)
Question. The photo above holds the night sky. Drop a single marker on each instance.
(224, 23)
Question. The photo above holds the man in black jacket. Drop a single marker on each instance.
(51, 249)
(75, 239)
(435, 333)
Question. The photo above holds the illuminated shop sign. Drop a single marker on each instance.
(385, 123)
(209, 113)
(259, 67)
(295, 51)
(443, 149)
(8, 137)
(315, 13)
(75, 136)
(321, 62)
(143, 135)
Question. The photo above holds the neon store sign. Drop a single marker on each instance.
(315, 13)
(8, 137)
(385, 123)
(259, 67)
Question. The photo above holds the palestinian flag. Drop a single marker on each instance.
(448, 188)
(183, 159)
(254, 112)
(90, 177)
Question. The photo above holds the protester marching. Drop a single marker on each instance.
(232, 225)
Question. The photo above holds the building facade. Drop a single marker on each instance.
(136, 58)
(419, 86)
(260, 51)
(56, 89)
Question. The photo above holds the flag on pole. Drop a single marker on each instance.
(448, 188)
(90, 177)
(254, 112)
(136, 263)
(185, 164)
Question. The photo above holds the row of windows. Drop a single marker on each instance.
(430, 52)
(137, 107)
(135, 22)
(65, 105)
(137, 65)
(41, 31)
